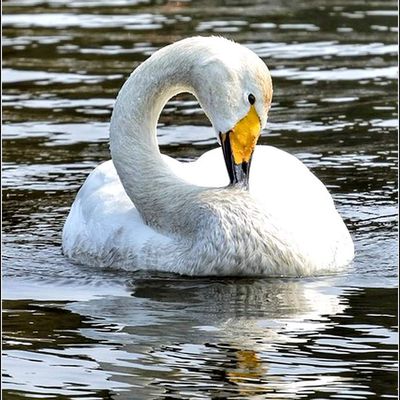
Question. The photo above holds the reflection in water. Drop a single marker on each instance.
(175, 343)
(71, 332)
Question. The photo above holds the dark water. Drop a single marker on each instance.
(73, 332)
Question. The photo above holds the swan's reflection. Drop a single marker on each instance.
(199, 335)
(283, 339)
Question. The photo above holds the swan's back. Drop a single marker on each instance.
(105, 228)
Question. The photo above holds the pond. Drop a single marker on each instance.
(71, 331)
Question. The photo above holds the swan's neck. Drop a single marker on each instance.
(148, 181)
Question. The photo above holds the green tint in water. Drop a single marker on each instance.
(71, 332)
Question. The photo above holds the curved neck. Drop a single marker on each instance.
(147, 180)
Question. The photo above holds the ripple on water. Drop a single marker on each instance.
(312, 349)
(70, 331)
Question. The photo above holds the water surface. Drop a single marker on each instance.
(75, 332)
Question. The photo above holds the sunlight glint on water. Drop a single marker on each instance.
(71, 332)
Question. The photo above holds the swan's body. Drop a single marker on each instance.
(144, 210)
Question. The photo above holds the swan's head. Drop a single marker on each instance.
(234, 88)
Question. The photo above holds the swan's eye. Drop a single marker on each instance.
(252, 99)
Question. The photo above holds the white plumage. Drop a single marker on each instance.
(161, 214)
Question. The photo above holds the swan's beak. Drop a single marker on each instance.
(238, 145)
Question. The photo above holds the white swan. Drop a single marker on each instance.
(144, 210)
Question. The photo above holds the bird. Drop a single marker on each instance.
(245, 210)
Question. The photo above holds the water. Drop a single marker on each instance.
(74, 332)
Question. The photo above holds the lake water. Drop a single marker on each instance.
(74, 332)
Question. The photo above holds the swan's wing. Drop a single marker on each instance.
(294, 200)
(297, 202)
(283, 184)
(103, 223)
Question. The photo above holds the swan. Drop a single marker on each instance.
(144, 210)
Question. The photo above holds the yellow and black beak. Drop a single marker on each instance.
(238, 145)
